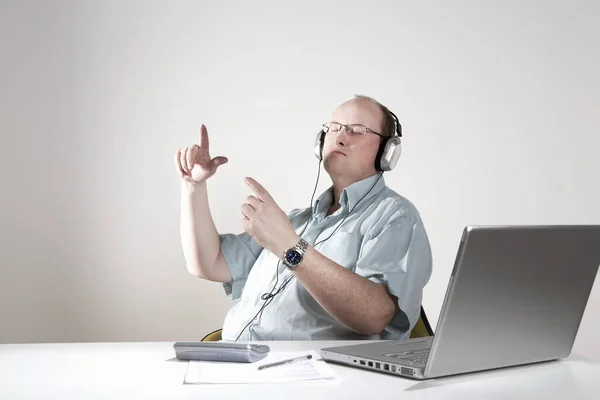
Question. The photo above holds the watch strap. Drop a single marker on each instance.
(302, 245)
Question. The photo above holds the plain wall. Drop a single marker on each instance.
(498, 101)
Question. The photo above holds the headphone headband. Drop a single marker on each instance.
(398, 126)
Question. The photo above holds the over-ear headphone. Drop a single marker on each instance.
(388, 153)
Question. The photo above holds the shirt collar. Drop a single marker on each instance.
(352, 194)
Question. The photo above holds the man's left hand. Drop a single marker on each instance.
(266, 222)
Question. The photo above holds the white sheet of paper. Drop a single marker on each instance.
(224, 372)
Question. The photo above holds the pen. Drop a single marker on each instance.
(290, 361)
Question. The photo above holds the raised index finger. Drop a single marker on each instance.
(260, 192)
(203, 137)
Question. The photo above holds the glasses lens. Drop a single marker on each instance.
(334, 126)
(358, 130)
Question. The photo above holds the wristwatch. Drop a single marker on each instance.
(293, 257)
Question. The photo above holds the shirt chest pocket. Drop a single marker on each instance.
(342, 248)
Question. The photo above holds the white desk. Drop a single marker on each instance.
(134, 370)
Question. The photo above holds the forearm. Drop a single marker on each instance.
(199, 237)
(361, 305)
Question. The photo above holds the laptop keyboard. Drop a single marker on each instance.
(412, 356)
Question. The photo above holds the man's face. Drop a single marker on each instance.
(353, 155)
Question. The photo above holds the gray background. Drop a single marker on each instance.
(498, 100)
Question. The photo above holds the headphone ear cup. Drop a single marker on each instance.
(380, 151)
(388, 153)
(319, 143)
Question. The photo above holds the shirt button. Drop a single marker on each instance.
(308, 238)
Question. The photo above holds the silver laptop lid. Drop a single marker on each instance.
(517, 295)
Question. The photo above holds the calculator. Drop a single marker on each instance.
(221, 351)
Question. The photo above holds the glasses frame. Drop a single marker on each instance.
(350, 132)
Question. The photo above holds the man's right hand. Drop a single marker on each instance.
(194, 164)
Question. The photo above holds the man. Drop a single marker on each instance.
(351, 266)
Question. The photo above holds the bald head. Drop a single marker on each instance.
(380, 117)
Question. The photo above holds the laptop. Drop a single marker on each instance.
(516, 296)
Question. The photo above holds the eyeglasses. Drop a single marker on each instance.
(351, 130)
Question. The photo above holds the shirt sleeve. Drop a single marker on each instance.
(399, 257)
(240, 252)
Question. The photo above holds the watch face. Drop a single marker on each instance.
(293, 257)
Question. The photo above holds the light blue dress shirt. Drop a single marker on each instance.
(382, 239)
